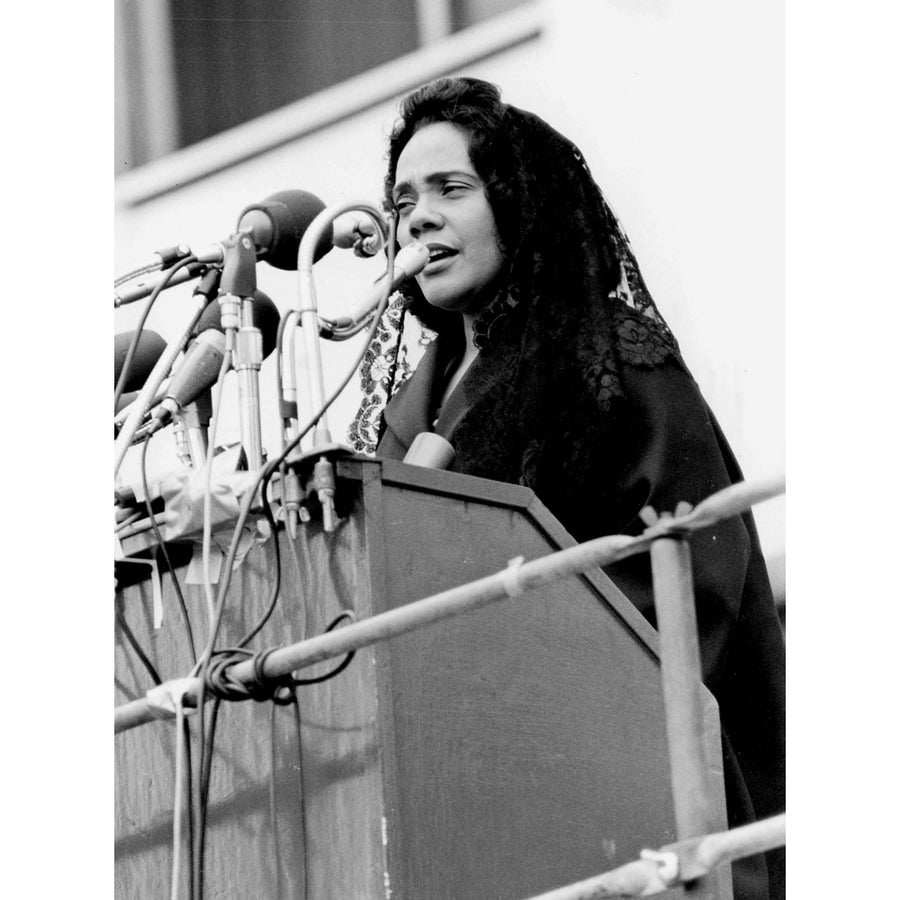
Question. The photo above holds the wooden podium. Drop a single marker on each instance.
(494, 755)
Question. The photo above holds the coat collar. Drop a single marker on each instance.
(413, 407)
(407, 414)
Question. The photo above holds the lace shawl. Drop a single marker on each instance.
(579, 392)
(390, 360)
(573, 310)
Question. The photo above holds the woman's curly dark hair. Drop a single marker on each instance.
(470, 103)
(572, 312)
(533, 176)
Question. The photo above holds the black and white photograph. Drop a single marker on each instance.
(330, 438)
(450, 460)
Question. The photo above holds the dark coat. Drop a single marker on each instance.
(669, 448)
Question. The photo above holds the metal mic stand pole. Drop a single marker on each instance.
(323, 472)
(248, 362)
(195, 418)
(244, 338)
(293, 493)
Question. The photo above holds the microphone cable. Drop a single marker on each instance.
(206, 729)
(160, 543)
(181, 798)
(283, 408)
(128, 634)
(261, 485)
(165, 258)
(136, 336)
(268, 470)
(266, 473)
(136, 273)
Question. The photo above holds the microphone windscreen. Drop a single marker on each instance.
(127, 398)
(265, 317)
(150, 348)
(291, 213)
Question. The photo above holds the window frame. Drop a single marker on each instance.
(329, 106)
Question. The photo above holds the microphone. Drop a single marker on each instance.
(203, 357)
(356, 230)
(138, 290)
(409, 261)
(123, 404)
(150, 347)
(276, 226)
(196, 373)
(265, 317)
(430, 450)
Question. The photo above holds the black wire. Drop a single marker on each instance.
(273, 812)
(132, 347)
(123, 626)
(162, 547)
(266, 473)
(197, 790)
(191, 804)
(129, 636)
(347, 614)
(336, 671)
(143, 270)
(273, 816)
(260, 687)
(208, 745)
(261, 483)
(270, 468)
(298, 723)
(279, 345)
(296, 557)
(190, 807)
(267, 509)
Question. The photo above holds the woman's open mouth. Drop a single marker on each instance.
(439, 256)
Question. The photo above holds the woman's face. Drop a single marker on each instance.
(442, 203)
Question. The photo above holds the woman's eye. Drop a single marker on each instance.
(454, 188)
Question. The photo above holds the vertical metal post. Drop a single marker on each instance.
(236, 300)
(248, 356)
(196, 417)
(676, 616)
(315, 382)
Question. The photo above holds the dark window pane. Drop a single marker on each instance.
(189, 69)
(237, 59)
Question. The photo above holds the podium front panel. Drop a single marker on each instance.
(498, 754)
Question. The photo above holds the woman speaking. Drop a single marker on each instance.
(550, 367)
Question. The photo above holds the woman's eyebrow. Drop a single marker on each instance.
(431, 179)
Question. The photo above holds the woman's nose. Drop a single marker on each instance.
(425, 216)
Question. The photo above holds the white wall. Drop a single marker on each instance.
(678, 108)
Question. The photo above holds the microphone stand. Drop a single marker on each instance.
(307, 306)
(200, 299)
(182, 451)
(323, 471)
(195, 418)
(243, 338)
